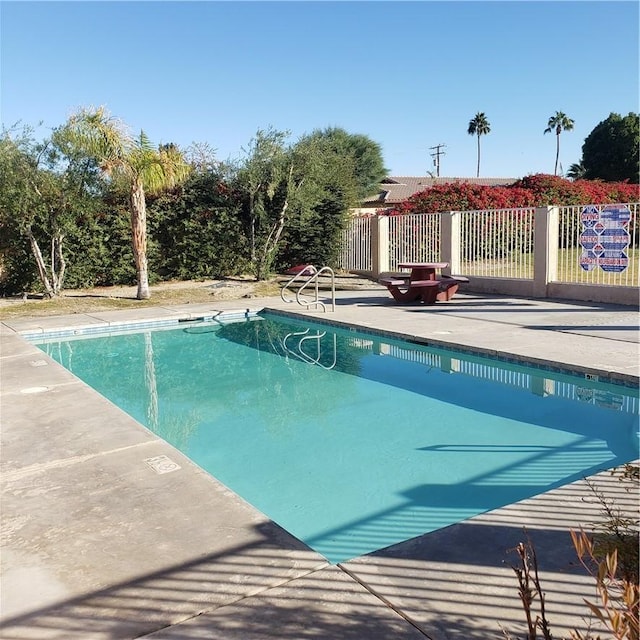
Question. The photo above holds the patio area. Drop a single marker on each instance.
(98, 544)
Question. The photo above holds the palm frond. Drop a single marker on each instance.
(99, 133)
(479, 125)
(559, 122)
(159, 169)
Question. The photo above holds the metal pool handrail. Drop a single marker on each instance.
(311, 274)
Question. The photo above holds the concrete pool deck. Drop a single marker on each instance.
(109, 532)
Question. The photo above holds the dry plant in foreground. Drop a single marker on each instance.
(610, 556)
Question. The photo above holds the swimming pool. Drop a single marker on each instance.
(353, 441)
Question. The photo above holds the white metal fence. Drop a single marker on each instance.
(497, 243)
(414, 238)
(501, 243)
(356, 253)
(576, 264)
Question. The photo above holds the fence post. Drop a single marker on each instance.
(545, 250)
(379, 244)
(450, 241)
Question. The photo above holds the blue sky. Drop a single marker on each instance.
(410, 75)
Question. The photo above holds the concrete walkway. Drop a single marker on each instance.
(101, 541)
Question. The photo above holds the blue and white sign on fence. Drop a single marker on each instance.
(589, 239)
(615, 239)
(616, 214)
(605, 237)
(613, 261)
(589, 216)
(588, 260)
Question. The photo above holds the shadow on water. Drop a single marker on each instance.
(437, 505)
(429, 576)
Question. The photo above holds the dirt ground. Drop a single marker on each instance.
(166, 293)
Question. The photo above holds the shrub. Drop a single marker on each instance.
(197, 230)
(537, 190)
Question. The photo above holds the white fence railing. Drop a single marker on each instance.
(540, 252)
(497, 243)
(571, 249)
(413, 238)
(356, 254)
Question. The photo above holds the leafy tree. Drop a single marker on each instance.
(41, 194)
(268, 181)
(99, 246)
(558, 122)
(478, 126)
(363, 154)
(296, 198)
(22, 205)
(130, 161)
(332, 186)
(611, 151)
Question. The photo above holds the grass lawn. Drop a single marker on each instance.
(569, 269)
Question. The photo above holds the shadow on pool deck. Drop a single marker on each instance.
(454, 583)
(98, 545)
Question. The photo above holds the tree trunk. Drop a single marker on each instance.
(139, 238)
(478, 171)
(42, 267)
(58, 263)
(271, 244)
(252, 226)
(555, 169)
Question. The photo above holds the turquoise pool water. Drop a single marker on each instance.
(351, 441)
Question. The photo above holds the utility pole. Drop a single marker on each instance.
(436, 157)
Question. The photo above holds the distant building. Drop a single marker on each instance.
(396, 189)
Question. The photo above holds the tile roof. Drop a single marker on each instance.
(395, 189)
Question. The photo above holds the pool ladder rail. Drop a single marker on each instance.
(308, 275)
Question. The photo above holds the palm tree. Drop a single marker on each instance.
(135, 163)
(558, 123)
(478, 126)
(576, 171)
